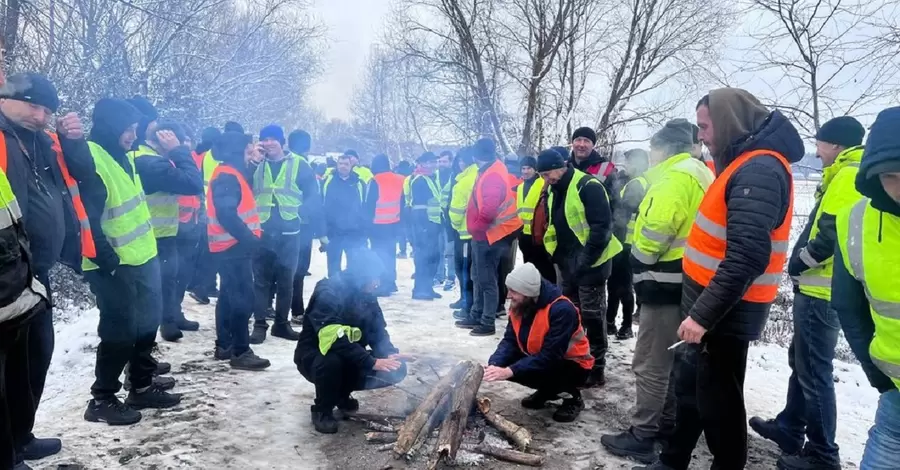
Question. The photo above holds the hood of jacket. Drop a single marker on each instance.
(110, 119)
(381, 164)
(549, 293)
(882, 155)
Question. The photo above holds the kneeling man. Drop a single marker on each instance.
(545, 347)
(344, 345)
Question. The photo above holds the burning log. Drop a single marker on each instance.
(374, 417)
(450, 436)
(433, 421)
(519, 435)
(507, 455)
(381, 437)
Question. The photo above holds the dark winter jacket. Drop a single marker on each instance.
(563, 324)
(17, 299)
(420, 193)
(47, 210)
(346, 212)
(575, 259)
(340, 301)
(758, 197)
(177, 174)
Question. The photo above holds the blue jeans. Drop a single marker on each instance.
(883, 446)
(811, 411)
(235, 305)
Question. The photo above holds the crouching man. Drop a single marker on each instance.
(344, 346)
(545, 347)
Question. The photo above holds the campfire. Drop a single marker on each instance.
(439, 427)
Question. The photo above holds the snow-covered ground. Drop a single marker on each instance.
(246, 420)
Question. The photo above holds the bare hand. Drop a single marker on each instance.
(497, 374)
(691, 331)
(403, 357)
(167, 140)
(386, 365)
(70, 127)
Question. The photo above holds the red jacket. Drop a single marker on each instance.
(478, 220)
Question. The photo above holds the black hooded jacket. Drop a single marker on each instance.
(758, 197)
(346, 211)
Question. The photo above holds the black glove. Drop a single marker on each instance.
(796, 266)
(107, 261)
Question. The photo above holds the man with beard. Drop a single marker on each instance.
(545, 346)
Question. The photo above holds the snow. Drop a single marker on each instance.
(247, 420)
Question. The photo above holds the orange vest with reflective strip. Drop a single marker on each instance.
(219, 238)
(507, 220)
(579, 348)
(706, 243)
(390, 190)
(189, 206)
(88, 249)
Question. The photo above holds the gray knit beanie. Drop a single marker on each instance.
(525, 279)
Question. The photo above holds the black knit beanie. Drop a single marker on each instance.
(530, 162)
(550, 160)
(844, 131)
(31, 88)
(585, 132)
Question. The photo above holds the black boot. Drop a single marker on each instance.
(770, 430)
(112, 412)
(323, 420)
(187, 325)
(153, 397)
(38, 449)
(349, 404)
(162, 368)
(284, 331)
(569, 410)
(626, 444)
(468, 324)
(161, 382)
(249, 361)
(458, 304)
(170, 332)
(624, 333)
(611, 329)
(806, 461)
(222, 354)
(596, 379)
(199, 297)
(483, 330)
(259, 333)
(538, 400)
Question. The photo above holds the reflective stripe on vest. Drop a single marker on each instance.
(527, 203)
(220, 239)
(870, 244)
(87, 237)
(459, 200)
(507, 220)
(390, 191)
(282, 188)
(433, 207)
(189, 206)
(10, 212)
(164, 210)
(579, 349)
(707, 242)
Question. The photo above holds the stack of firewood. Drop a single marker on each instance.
(446, 409)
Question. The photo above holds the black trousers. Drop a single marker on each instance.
(403, 236)
(303, 261)
(274, 267)
(167, 255)
(621, 289)
(188, 257)
(41, 341)
(507, 263)
(561, 377)
(709, 392)
(18, 404)
(538, 256)
(383, 239)
(589, 295)
(338, 245)
(130, 304)
(235, 304)
(462, 260)
(428, 255)
(204, 280)
(336, 378)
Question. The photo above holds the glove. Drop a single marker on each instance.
(796, 266)
(107, 262)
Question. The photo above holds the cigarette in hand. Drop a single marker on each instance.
(676, 345)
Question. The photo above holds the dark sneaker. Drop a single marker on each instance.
(449, 285)
(249, 361)
(458, 304)
(349, 404)
(297, 319)
(538, 400)
(460, 314)
(222, 354)
(610, 329)
(199, 297)
(170, 332)
(153, 397)
(626, 444)
(259, 334)
(482, 330)
(39, 449)
(284, 331)
(307, 274)
(422, 296)
(324, 421)
(569, 410)
(164, 383)
(770, 430)
(187, 325)
(806, 461)
(112, 412)
(162, 368)
(468, 324)
(596, 379)
(624, 333)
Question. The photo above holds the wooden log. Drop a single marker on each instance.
(507, 455)
(381, 437)
(433, 421)
(374, 417)
(519, 435)
(371, 425)
(412, 428)
(450, 435)
(385, 447)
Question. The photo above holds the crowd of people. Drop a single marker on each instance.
(696, 247)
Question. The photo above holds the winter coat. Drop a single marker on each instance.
(494, 191)
(340, 301)
(310, 206)
(758, 198)
(421, 194)
(563, 324)
(346, 211)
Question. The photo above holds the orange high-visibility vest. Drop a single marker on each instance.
(507, 220)
(707, 243)
(711, 165)
(579, 349)
(88, 249)
(219, 238)
(189, 206)
(390, 190)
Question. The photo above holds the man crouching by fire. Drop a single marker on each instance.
(545, 347)
(344, 346)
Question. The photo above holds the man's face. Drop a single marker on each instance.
(251, 154)
(553, 176)
(707, 132)
(344, 166)
(443, 162)
(33, 117)
(272, 148)
(582, 147)
(430, 165)
(527, 172)
(891, 184)
(126, 140)
(515, 299)
(827, 152)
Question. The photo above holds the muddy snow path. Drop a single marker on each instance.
(247, 420)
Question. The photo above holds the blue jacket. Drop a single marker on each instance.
(563, 324)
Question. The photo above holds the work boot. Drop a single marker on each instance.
(222, 354)
(422, 296)
(806, 461)
(769, 429)
(610, 329)
(449, 284)
(259, 334)
(624, 333)
(249, 361)
(349, 404)
(162, 368)
(596, 379)
(461, 314)
(187, 325)
(170, 332)
(284, 331)
(483, 330)
(323, 421)
(468, 324)
(569, 410)
(164, 383)
(38, 449)
(458, 304)
(626, 444)
(199, 297)
(538, 400)
(152, 397)
(112, 412)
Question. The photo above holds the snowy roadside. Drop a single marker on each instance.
(243, 420)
